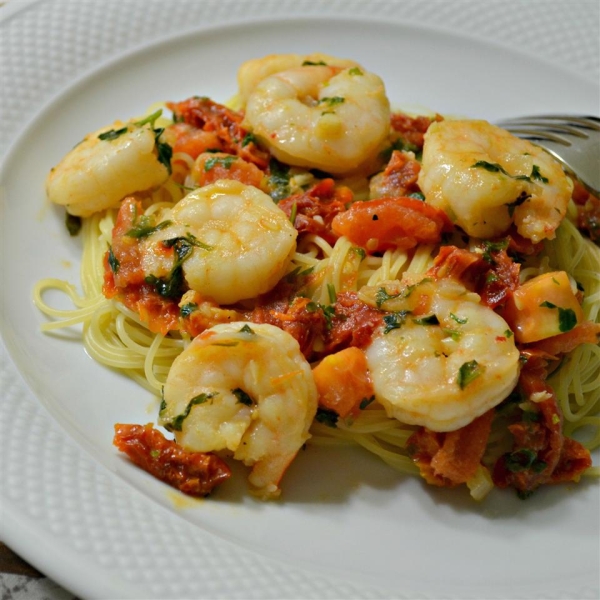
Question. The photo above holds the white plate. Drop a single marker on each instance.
(347, 525)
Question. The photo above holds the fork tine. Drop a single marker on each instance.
(586, 122)
(549, 129)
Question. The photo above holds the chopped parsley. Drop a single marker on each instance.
(468, 372)
(249, 138)
(173, 285)
(279, 180)
(459, 320)
(145, 227)
(187, 309)
(395, 320)
(326, 416)
(567, 319)
(177, 423)
(73, 224)
(112, 134)
(224, 161)
(535, 175)
(113, 261)
(242, 397)
(365, 402)
(428, 320)
(522, 460)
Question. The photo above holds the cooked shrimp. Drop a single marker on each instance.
(234, 242)
(108, 165)
(485, 179)
(253, 71)
(245, 388)
(320, 116)
(443, 359)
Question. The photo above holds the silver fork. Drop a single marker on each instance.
(572, 139)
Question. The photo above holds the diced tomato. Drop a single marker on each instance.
(584, 333)
(190, 140)
(412, 129)
(193, 473)
(210, 116)
(378, 225)
(323, 200)
(398, 179)
(212, 166)
(449, 459)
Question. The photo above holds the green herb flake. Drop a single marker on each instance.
(459, 320)
(490, 247)
(567, 319)
(355, 71)
(112, 134)
(522, 460)
(468, 372)
(113, 261)
(224, 161)
(249, 138)
(145, 227)
(395, 320)
(332, 100)
(150, 119)
(73, 224)
(187, 309)
(366, 402)
(242, 397)
(523, 197)
(428, 320)
(536, 175)
(177, 423)
(155, 453)
(279, 180)
(382, 296)
(327, 417)
(247, 329)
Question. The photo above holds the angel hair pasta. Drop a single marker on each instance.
(307, 265)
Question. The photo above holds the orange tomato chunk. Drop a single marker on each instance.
(543, 307)
(343, 381)
(378, 225)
